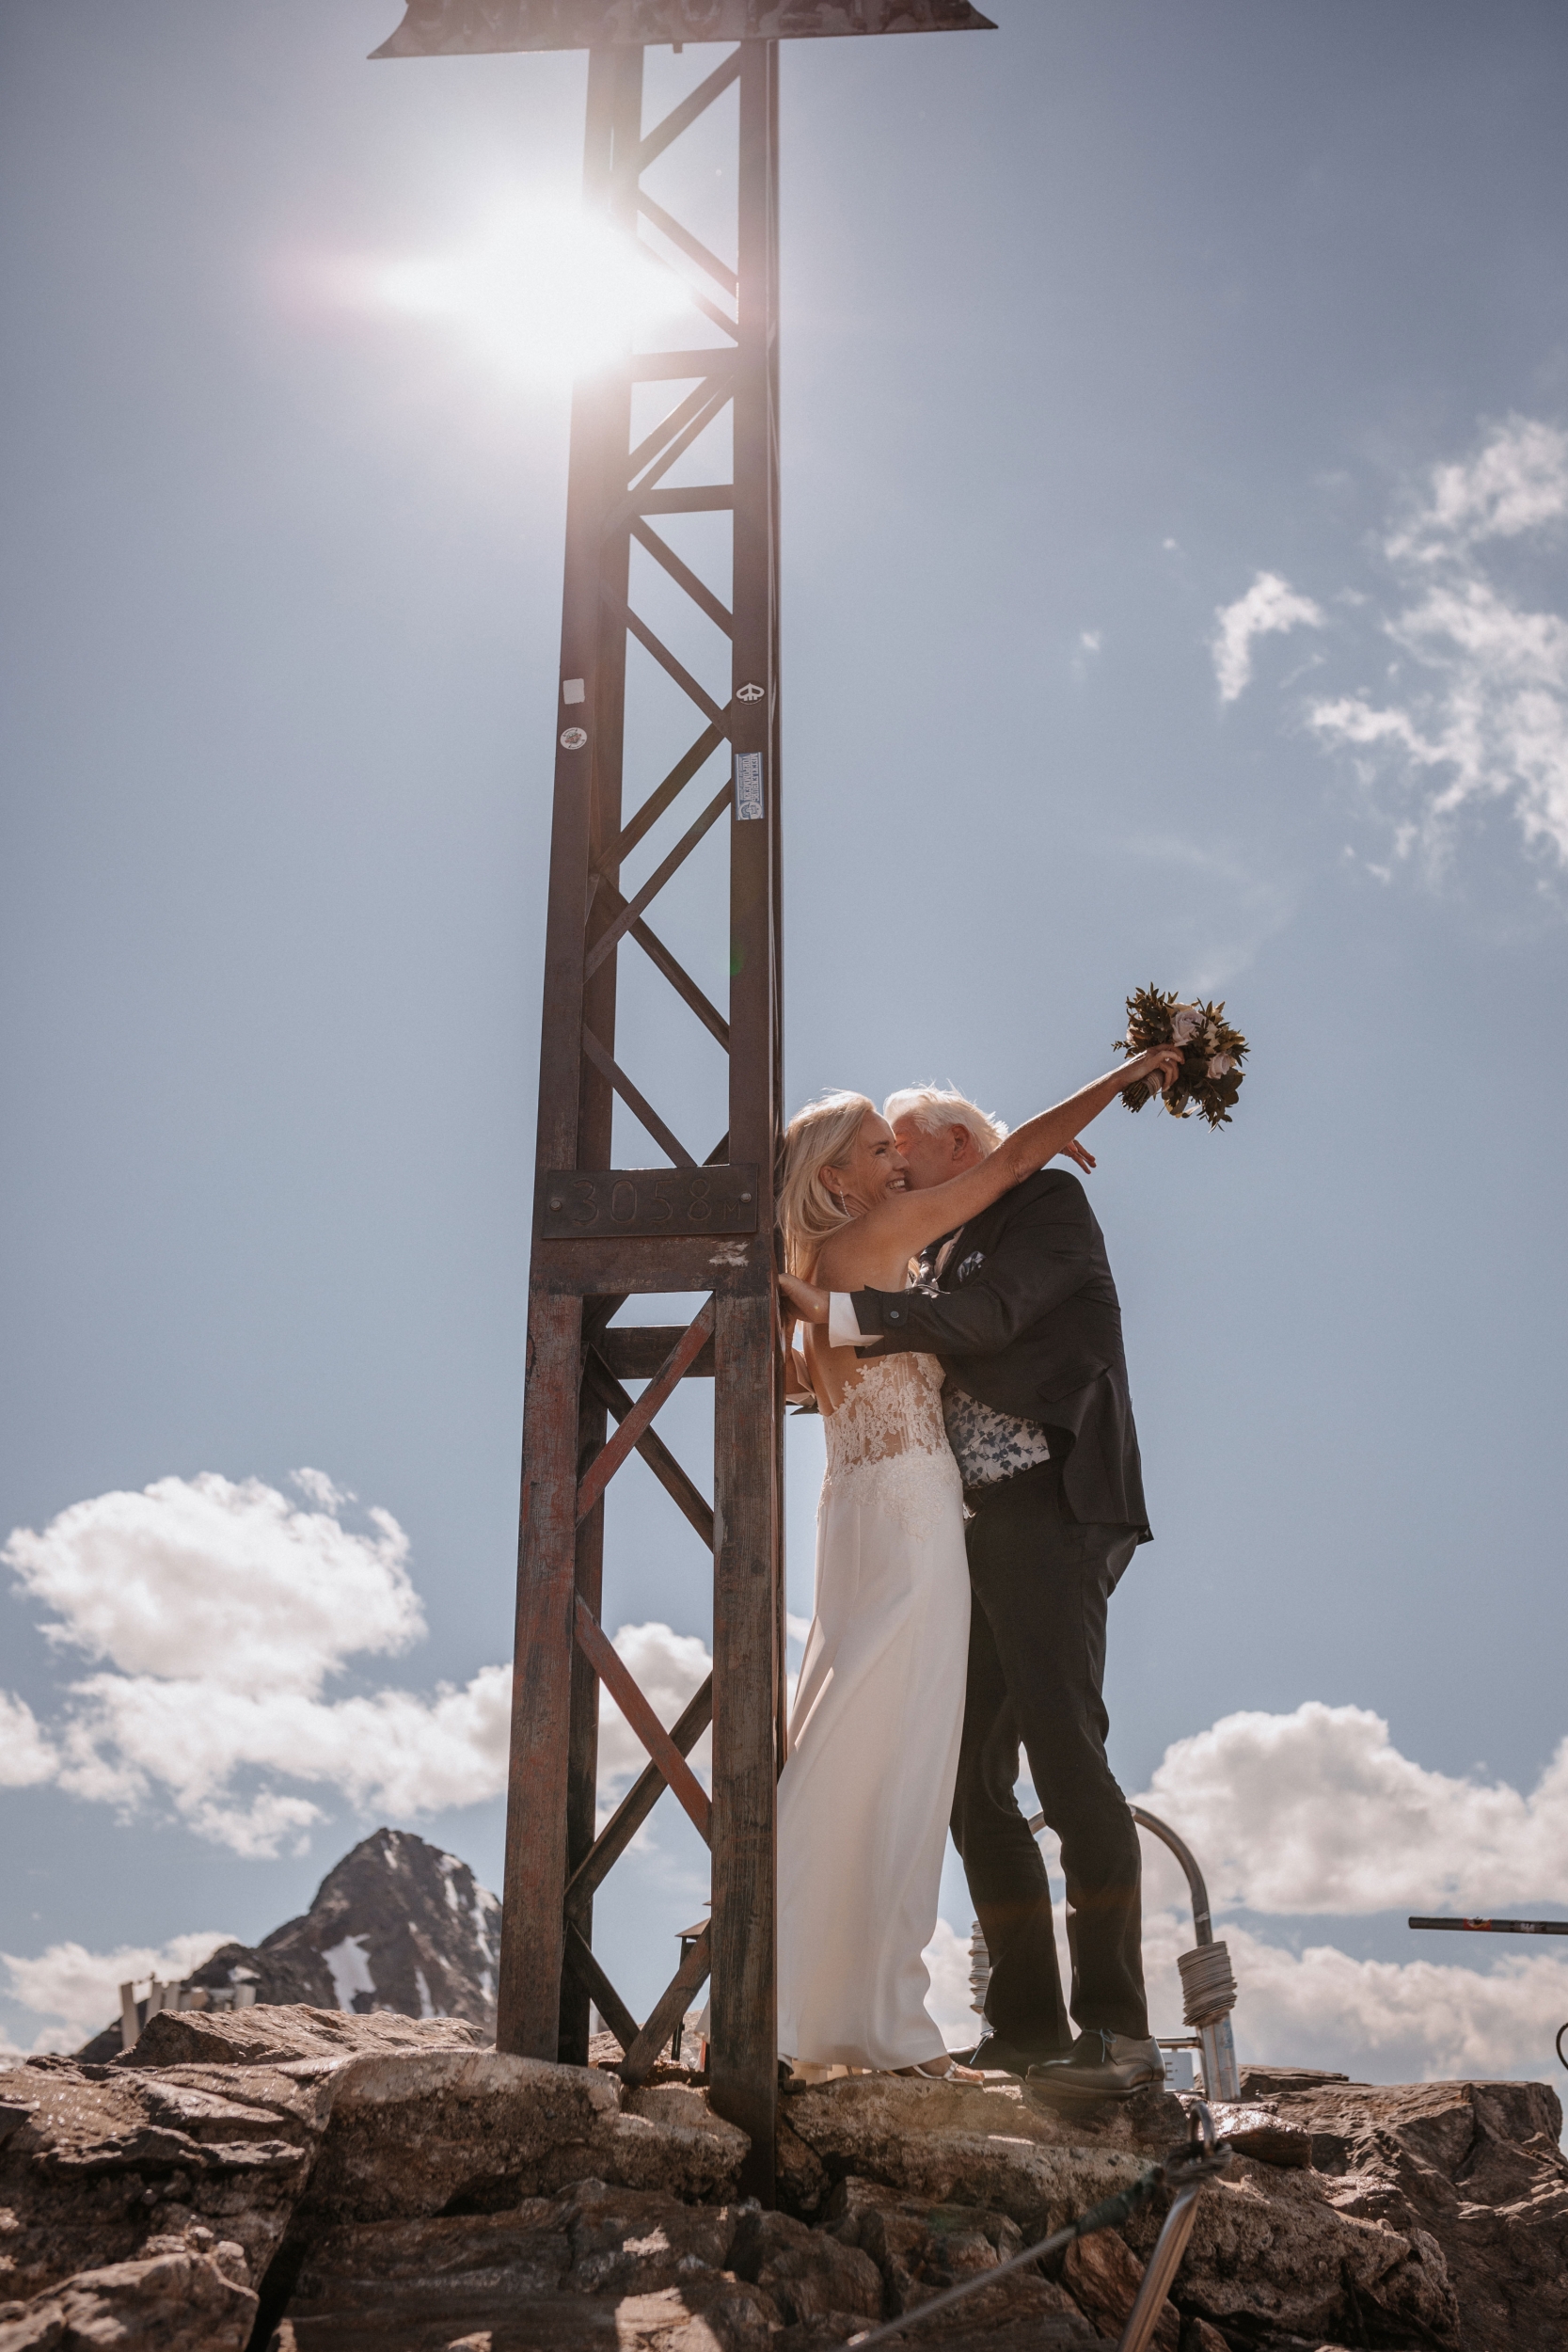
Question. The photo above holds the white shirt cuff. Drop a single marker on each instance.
(843, 1329)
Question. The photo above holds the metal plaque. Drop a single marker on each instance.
(448, 28)
(583, 1203)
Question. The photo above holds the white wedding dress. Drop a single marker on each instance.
(864, 1796)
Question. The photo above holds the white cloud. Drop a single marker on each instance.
(1318, 1811)
(223, 1582)
(26, 1756)
(1516, 482)
(1270, 607)
(1474, 708)
(78, 1990)
(1485, 719)
(222, 1610)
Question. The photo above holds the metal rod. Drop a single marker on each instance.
(1160, 2270)
(1498, 1927)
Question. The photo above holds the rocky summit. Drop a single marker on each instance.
(396, 1924)
(305, 2179)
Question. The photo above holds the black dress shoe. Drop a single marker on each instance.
(992, 2054)
(1098, 2066)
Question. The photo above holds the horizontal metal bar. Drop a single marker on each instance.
(619, 1681)
(659, 367)
(653, 1203)
(607, 1067)
(602, 1468)
(681, 117)
(634, 1351)
(578, 1956)
(631, 908)
(1497, 1927)
(668, 2010)
(635, 500)
(701, 498)
(683, 577)
(438, 29)
(736, 1265)
(635, 1807)
(602, 1385)
(693, 248)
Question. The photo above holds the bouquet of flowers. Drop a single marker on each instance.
(1210, 1078)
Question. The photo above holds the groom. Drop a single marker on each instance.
(1021, 1310)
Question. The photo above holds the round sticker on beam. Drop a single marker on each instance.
(748, 783)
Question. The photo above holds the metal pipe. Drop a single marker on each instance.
(1209, 1987)
(1160, 2270)
(1208, 2158)
(1203, 1925)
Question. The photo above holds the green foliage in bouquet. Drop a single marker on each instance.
(1210, 1078)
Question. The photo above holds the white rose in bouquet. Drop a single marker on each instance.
(1185, 1023)
(1219, 1064)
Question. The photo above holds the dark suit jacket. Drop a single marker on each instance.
(1028, 1321)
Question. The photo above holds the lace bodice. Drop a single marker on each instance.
(887, 1443)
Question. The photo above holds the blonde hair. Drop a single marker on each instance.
(819, 1136)
(933, 1108)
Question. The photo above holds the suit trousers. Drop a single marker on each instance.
(1036, 1663)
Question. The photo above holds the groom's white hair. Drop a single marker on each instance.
(935, 1107)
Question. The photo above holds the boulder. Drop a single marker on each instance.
(100, 2161)
(357, 2181)
(267, 2036)
(612, 2266)
(920, 2248)
(955, 2144)
(1477, 2168)
(182, 2295)
(1104, 2275)
(415, 2134)
(812, 2277)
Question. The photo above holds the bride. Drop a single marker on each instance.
(864, 1796)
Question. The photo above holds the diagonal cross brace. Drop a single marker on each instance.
(636, 1101)
(668, 2010)
(601, 1384)
(665, 871)
(602, 1468)
(619, 1681)
(634, 1809)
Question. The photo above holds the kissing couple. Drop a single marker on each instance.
(982, 1497)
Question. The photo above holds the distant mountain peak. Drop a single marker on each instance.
(397, 1924)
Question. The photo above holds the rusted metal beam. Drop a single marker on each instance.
(677, 1485)
(618, 1681)
(460, 28)
(635, 1807)
(668, 2010)
(581, 1960)
(634, 1351)
(608, 1459)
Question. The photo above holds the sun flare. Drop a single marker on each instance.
(540, 290)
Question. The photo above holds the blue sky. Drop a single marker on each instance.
(1095, 332)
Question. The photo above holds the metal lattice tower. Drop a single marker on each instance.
(703, 1225)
